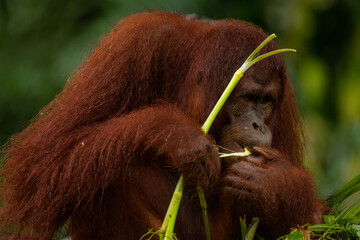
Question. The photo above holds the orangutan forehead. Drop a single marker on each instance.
(250, 85)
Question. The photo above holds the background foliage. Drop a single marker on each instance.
(42, 42)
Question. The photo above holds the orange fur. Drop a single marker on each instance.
(103, 154)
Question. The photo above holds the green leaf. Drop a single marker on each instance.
(350, 211)
(348, 185)
(244, 229)
(329, 219)
(295, 236)
(355, 220)
(252, 229)
(354, 231)
(343, 221)
(354, 211)
(345, 191)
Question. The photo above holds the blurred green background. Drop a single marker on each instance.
(42, 42)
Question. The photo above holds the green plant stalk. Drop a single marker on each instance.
(322, 227)
(346, 186)
(248, 233)
(236, 154)
(169, 225)
(204, 212)
(170, 210)
(252, 229)
(345, 191)
(350, 211)
(243, 228)
(224, 96)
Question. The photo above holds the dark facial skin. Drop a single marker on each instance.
(247, 114)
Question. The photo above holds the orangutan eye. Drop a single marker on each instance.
(266, 100)
(250, 97)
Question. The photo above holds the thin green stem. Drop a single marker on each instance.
(169, 212)
(235, 79)
(252, 55)
(261, 57)
(204, 211)
(236, 154)
(350, 211)
(252, 229)
(345, 191)
(173, 209)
